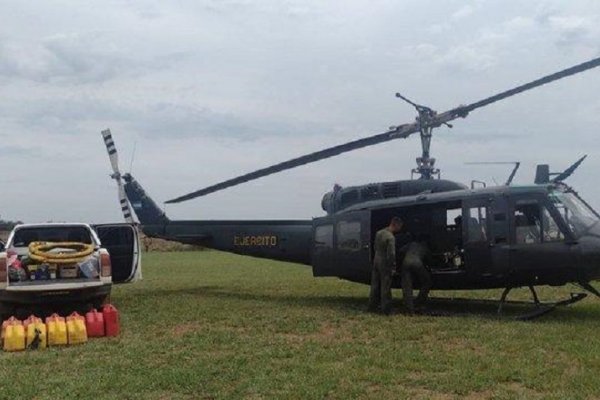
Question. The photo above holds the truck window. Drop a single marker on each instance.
(23, 237)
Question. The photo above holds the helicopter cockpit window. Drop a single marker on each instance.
(535, 224)
(348, 235)
(578, 216)
(528, 229)
(324, 236)
(552, 232)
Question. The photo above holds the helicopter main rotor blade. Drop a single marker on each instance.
(538, 82)
(296, 162)
(399, 132)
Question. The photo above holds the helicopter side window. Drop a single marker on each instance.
(324, 236)
(348, 236)
(453, 217)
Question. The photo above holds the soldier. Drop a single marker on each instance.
(415, 259)
(384, 263)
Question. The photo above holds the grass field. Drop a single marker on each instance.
(210, 325)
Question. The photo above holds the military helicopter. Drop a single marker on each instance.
(481, 237)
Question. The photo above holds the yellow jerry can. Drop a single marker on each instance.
(37, 337)
(76, 329)
(10, 321)
(14, 337)
(56, 330)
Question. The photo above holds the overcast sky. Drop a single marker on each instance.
(206, 90)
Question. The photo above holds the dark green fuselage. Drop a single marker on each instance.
(500, 240)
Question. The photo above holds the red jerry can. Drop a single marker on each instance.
(94, 322)
(111, 320)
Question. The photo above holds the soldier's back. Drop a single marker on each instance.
(416, 252)
(382, 241)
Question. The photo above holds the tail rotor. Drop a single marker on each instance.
(116, 175)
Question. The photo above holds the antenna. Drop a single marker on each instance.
(517, 164)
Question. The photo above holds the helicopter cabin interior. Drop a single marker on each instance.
(344, 242)
(441, 226)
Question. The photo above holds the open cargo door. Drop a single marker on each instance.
(122, 242)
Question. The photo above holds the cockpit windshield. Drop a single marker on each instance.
(578, 215)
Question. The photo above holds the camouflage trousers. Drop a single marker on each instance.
(410, 269)
(381, 288)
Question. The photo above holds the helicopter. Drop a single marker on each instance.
(501, 237)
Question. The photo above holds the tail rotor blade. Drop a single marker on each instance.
(124, 203)
(112, 150)
(114, 162)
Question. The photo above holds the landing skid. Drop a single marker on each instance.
(487, 306)
(545, 308)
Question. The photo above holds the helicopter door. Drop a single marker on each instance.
(538, 242)
(499, 224)
(353, 246)
(322, 252)
(476, 236)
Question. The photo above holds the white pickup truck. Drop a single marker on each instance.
(115, 259)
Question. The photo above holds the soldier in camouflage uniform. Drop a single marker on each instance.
(413, 265)
(384, 264)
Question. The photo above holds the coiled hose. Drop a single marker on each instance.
(42, 252)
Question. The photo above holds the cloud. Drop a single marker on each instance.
(575, 30)
(463, 12)
(92, 57)
(210, 89)
(72, 116)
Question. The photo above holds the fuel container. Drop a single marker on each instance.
(76, 330)
(94, 322)
(10, 321)
(36, 333)
(111, 320)
(14, 336)
(31, 319)
(56, 330)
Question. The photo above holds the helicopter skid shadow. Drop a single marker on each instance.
(511, 310)
(436, 306)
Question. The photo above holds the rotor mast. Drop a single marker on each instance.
(426, 121)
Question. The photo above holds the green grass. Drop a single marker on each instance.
(211, 325)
